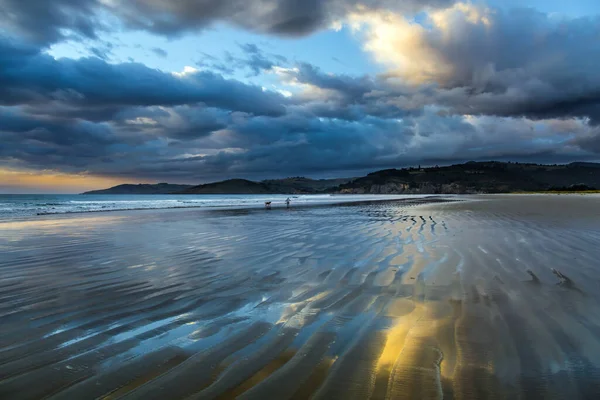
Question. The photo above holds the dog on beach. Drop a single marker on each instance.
(267, 204)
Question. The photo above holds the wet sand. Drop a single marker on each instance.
(496, 297)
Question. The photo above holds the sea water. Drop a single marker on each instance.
(17, 206)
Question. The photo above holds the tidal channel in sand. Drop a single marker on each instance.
(492, 297)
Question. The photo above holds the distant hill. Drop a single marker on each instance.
(475, 177)
(585, 164)
(470, 177)
(296, 185)
(230, 186)
(142, 188)
(301, 185)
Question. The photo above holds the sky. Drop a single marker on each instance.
(95, 93)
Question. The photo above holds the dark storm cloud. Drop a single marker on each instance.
(65, 111)
(50, 21)
(282, 17)
(292, 145)
(56, 131)
(86, 114)
(45, 143)
(284, 145)
(46, 21)
(28, 76)
(589, 142)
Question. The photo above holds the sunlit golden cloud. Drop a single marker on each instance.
(411, 49)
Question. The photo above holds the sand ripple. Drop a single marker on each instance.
(493, 298)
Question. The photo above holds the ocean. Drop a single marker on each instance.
(19, 206)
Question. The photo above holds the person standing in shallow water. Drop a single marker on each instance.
(287, 202)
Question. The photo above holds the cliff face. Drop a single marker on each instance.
(404, 188)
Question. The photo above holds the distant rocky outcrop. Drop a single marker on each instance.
(142, 188)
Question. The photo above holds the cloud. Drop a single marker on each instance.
(29, 76)
(84, 18)
(281, 17)
(181, 122)
(160, 52)
(481, 60)
(348, 97)
(43, 142)
(86, 114)
(257, 60)
(189, 144)
(49, 21)
(253, 58)
(267, 147)
(99, 52)
(463, 81)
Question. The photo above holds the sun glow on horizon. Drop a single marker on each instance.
(49, 181)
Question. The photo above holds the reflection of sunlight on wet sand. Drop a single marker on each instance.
(392, 351)
(405, 314)
(56, 225)
(410, 365)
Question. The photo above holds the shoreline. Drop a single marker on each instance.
(559, 192)
(422, 199)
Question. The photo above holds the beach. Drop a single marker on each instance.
(463, 297)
